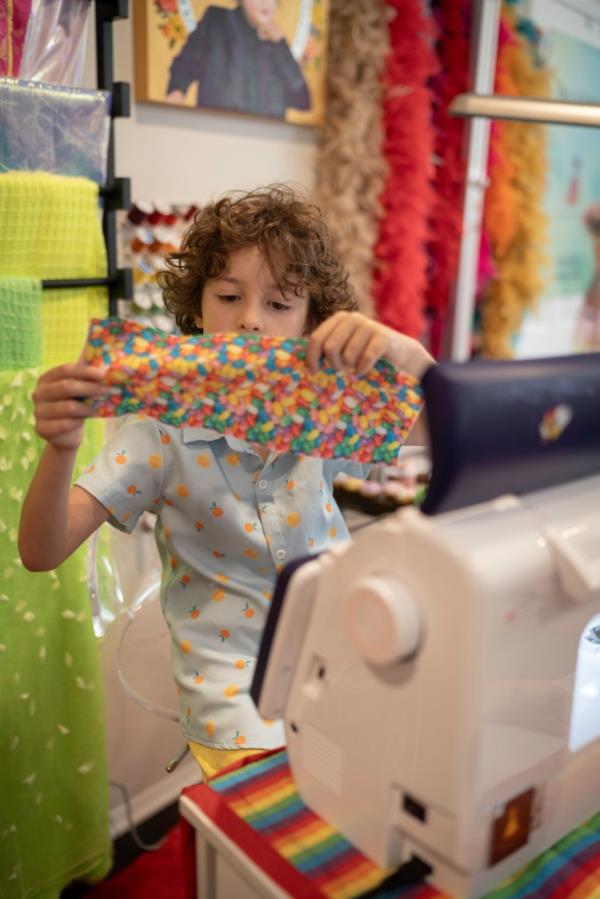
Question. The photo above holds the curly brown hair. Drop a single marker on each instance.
(288, 230)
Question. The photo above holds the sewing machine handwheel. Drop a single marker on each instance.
(382, 619)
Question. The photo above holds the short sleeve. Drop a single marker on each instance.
(127, 476)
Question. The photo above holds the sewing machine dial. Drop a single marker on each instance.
(382, 619)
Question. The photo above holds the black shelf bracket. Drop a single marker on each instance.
(116, 194)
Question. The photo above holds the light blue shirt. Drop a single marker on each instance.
(227, 522)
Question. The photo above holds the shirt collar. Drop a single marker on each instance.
(189, 435)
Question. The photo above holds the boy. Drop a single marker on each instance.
(229, 515)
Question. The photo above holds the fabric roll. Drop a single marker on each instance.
(21, 331)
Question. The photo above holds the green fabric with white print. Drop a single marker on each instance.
(53, 777)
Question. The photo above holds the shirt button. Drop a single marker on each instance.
(263, 484)
(280, 554)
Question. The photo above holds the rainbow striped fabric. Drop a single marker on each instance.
(263, 794)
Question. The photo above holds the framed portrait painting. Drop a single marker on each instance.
(255, 57)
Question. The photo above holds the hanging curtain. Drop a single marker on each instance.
(400, 252)
(350, 168)
(514, 221)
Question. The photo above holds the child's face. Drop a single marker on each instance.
(245, 298)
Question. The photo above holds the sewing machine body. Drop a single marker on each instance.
(426, 674)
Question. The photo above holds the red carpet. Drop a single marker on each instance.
(153, 874)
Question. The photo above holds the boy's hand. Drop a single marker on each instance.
(351, 340)
(57, 406)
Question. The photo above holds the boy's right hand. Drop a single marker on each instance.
(57, 402)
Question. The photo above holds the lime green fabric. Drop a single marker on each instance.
(50, 228)
(21, 328)
(66, 316)
(53, 775)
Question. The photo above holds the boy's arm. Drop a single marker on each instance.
(56, 518)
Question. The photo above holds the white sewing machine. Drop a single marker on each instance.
(426, 671)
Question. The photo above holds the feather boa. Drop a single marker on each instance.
(400, 252)
(350, 170)
(514, 221)
(454, 25)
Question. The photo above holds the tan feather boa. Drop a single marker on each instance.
(350, 165)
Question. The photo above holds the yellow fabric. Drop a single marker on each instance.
(66, 316)
(50, 228)
(213, 760)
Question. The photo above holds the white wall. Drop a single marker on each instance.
(178, 156)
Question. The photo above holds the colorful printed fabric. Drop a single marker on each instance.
(254, 388)
(264, 796)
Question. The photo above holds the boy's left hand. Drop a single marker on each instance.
(352, 341)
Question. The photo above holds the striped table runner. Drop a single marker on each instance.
(310, 859)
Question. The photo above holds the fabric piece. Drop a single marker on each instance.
(262, 793)
(227, 522)
(21, 330)
(50, 229)
(52, 128)
(66, 316)
(212, 761)
(254, 388)
(53, 777)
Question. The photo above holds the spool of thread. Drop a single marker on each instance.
(139, 212)
(189, 215)
(143, 298)
(160, 213)
(141, 240)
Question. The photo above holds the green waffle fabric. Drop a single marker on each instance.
(53, 776)
(21, 330)
(50, 229)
